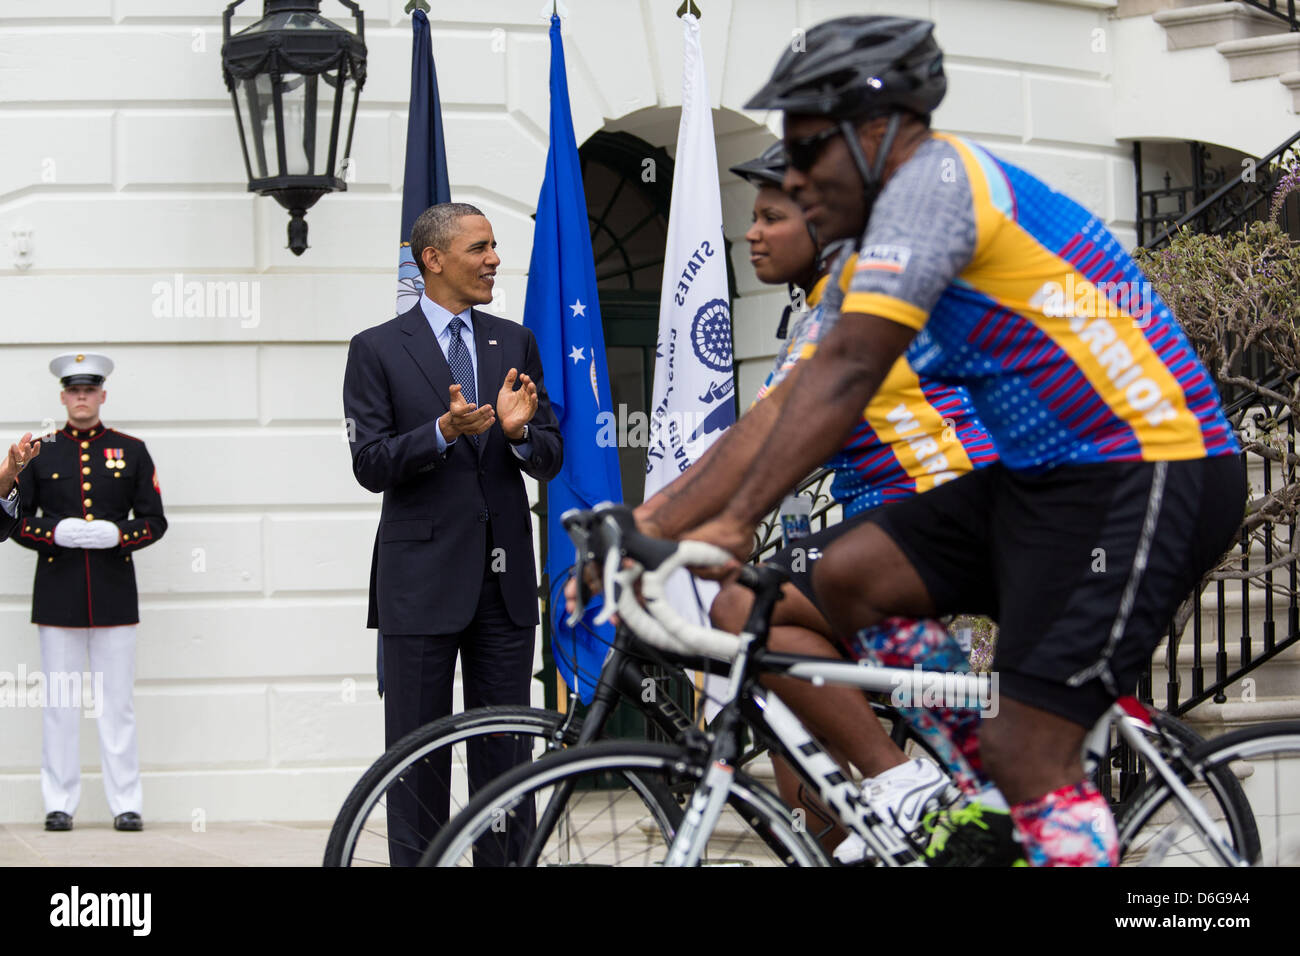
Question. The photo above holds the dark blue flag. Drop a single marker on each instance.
(563, 312)
(425, 183)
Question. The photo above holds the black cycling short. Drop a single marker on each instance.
(798, 559)
(1082, 566)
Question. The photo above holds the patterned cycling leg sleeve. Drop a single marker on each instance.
(1071, 826)
(954, 734)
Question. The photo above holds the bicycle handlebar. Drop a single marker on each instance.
(606, 535)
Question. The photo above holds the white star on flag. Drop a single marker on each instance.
(577, 355)
(578, 308)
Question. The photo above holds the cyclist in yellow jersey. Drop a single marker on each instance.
(1119, 481)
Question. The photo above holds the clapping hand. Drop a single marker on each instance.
(517, 406)
(20, 454)
(464, 418)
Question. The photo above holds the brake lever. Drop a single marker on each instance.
(612, 559)
(580, 535)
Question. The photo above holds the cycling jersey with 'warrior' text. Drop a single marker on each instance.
(914, 434)
(1025, 298)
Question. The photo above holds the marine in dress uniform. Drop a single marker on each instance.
(88, 503)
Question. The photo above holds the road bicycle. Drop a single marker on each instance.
(632, 672)
(1192, 808)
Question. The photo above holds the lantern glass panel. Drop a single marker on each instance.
(308, 121)
(257, 117)
(297, 20)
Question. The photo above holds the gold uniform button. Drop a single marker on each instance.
(85, 444)
(55, 475)
(86, 470)
(90, 517)
(85, 486)
(88, 503)
(85, 458)
(51, 560)
(117, 474)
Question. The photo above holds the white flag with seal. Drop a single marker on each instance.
(693, 385)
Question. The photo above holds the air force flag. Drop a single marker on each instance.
(562, 309)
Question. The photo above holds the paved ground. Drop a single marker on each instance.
(165, 844)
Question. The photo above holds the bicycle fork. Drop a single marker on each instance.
(1188, 805)
(709, 797)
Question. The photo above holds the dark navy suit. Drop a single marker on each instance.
(435, 588)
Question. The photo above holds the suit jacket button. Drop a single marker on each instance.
(483, 516)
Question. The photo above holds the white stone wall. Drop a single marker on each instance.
(121, 158)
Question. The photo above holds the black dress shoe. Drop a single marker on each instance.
(58, 820)
(128, 821)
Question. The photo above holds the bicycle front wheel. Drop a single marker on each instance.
(1265, 762)
(433, 757)
(609, 812)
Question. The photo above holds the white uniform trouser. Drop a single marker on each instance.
(112, 654)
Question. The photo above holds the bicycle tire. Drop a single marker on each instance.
(644, 767)
(1242, 755)
(351, 822)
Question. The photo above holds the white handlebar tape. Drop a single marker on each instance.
(702, 640)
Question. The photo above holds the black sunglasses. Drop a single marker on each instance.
(802, 153)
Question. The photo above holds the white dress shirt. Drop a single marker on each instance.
(440, 322)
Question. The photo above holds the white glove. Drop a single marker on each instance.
(67, 533)
(98, 535)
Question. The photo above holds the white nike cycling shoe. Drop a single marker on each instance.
(900, 793)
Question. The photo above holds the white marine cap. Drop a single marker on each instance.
(81, 368)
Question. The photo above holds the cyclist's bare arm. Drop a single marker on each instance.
(702, 490)
(824, 403)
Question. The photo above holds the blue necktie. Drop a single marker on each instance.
(462, 369)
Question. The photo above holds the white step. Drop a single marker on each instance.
(1208, 24)
(1258, 57)
(1292, 82)
(1214, 720)
(1144, 8)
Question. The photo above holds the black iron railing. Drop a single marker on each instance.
(1245, 199)
(767, 537)
(1284, 10)
(1272, 585)
(1158, 209)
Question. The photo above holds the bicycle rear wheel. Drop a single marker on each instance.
(613, 814)
(437, 752)
(1265, 762)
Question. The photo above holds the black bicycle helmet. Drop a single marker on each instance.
(767, 170)
(855, 67)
